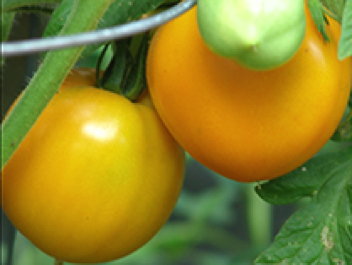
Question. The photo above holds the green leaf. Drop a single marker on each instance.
(318, 15)
(321, 231)
(44, 9)
(11, 5)
(58, 19)
(305, 181)
(334, 7)
(120, 11)
(345, 44)
(6, 25)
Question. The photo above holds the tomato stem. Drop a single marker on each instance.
(259, 216)
(84, 16)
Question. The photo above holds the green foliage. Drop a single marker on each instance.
(6, 24)
(14, 5)
(335, 8)
(320, 232)
(118, 13)
(125, 73)
(340, 10)
(345, 44)
(318, 16)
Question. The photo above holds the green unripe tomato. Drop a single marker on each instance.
(257, 34)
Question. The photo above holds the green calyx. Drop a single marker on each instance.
(125, 73)
(257, 34)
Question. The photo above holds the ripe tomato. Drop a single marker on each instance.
(260, 34)
(247, 125)
(96, 177)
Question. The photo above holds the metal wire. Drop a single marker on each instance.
(113, 33)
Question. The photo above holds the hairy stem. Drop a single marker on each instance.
(84, 16)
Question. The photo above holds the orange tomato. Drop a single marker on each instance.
(96, 177)
(247, 125)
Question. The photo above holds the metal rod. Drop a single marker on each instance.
(113, 33)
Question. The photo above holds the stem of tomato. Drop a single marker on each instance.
(84, 16)
(259, 216)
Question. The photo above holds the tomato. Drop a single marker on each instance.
(247, 125)
(96, 177)
(261, 34)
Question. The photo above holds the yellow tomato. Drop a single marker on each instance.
(96, 177)
(247, 125)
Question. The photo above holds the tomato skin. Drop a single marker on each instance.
(96, 177)
(247, 125)
(258, 34)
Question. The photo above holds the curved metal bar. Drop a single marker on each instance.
(118, 32)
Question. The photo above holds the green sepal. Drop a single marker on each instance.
(113, 77)
(319, 17)
(334, 8)
(136, 81)
(125, 74)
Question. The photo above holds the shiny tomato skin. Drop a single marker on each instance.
(247, 125)
(96, 177)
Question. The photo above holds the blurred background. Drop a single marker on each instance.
(216, 220)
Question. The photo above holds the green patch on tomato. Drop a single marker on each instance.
(257, 34)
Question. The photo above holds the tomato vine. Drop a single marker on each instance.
(318, 180)
(84, 16)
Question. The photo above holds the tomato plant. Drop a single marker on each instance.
(96, 177)
(247, 125)
(256, 34)
(270, 126)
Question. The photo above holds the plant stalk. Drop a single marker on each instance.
(84, 16)
(259, 216)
